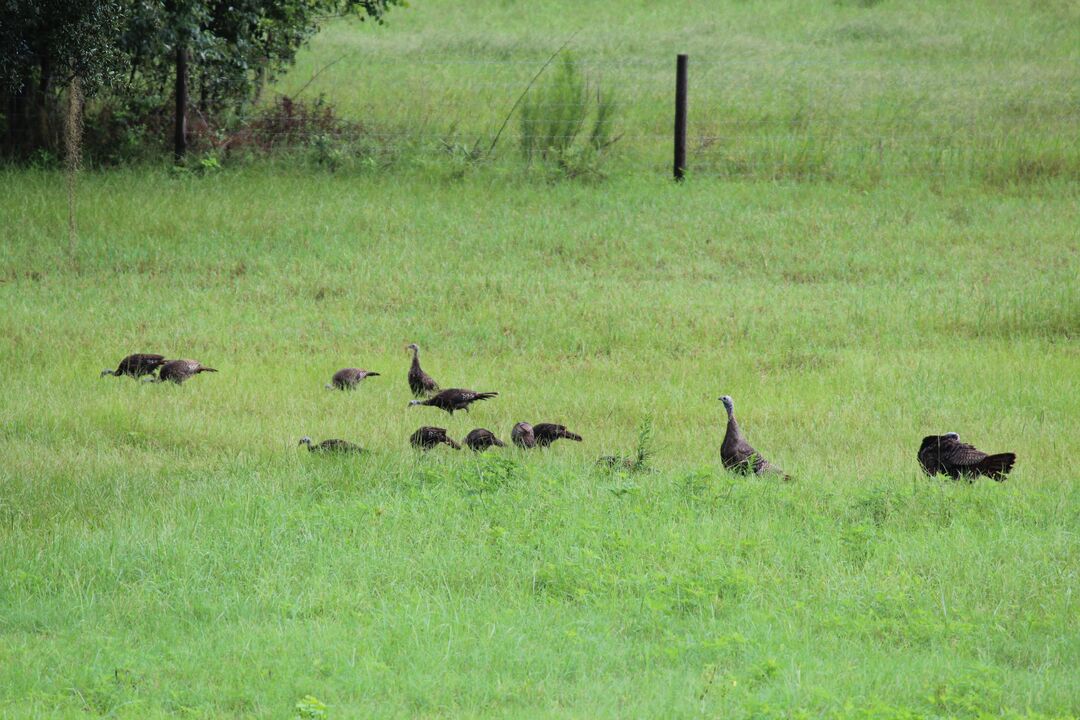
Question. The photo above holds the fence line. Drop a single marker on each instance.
(736, 121)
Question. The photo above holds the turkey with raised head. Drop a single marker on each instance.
(137, 365)
(946, 455)
(420, 382)
(454, 399)
(348, 378)
(481, 439)
(737, 454)
(428, 437)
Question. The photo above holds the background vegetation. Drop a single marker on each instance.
(170, 551)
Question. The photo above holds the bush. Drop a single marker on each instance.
(558, 112)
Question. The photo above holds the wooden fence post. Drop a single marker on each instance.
(680, 117)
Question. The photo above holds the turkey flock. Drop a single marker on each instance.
(937, 455)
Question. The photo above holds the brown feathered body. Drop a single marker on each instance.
(547, 433)
(946, 455)
(420, 382)
(137, 365)
(481, 439)
(455, 399)
(349, 378)
(332, 446)
(428, 437)
(738, 455)
(523, 436)
(178, 371)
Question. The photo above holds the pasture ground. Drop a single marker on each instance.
(170, 551)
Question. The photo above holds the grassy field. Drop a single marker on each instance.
(857, 90)
(170, 551)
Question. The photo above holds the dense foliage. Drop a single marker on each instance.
(128, 48)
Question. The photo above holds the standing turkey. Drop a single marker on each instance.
(428, 437)
(348, 378)
(454, 399)
(523, 436)
(946, 455)
(737, 454)
(137, 365)
(178, 371)
(421, 384)
(332, 446)
(481, 439)
(547, 433)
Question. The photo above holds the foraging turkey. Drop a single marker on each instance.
(136, 365)
(481, 439)
(348, 378)
(547, 433)
(617, 462)
(420, 382)
(428, 437)
(945, 454)
(523, 436)
(737, 454)
(454, 399)
(178, 371)
(331, 446)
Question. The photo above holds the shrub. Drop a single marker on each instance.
(559, 112)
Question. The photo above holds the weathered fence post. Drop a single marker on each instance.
(680, 117)
(180, 128)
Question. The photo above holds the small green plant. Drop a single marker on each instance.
(310, 707)
(490, 473)
(559, 112)
(639, 460)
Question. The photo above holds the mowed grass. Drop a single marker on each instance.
(170, 551)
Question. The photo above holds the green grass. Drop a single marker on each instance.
(794, 89)
(170, 551)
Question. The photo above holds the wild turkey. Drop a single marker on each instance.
(178, 371)
(737, 454)
(136, 365)
(945, 454)
(547, 433)
(420, 382)
(454, 399)
(523, 436)
(428, 437)
(481, 439)
(348, 378)
(617, 462)
(332, 446)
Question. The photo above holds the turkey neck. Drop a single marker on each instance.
(733, 430)
(415, 359)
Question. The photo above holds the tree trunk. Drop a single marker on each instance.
(43, 137)
(180, 124)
